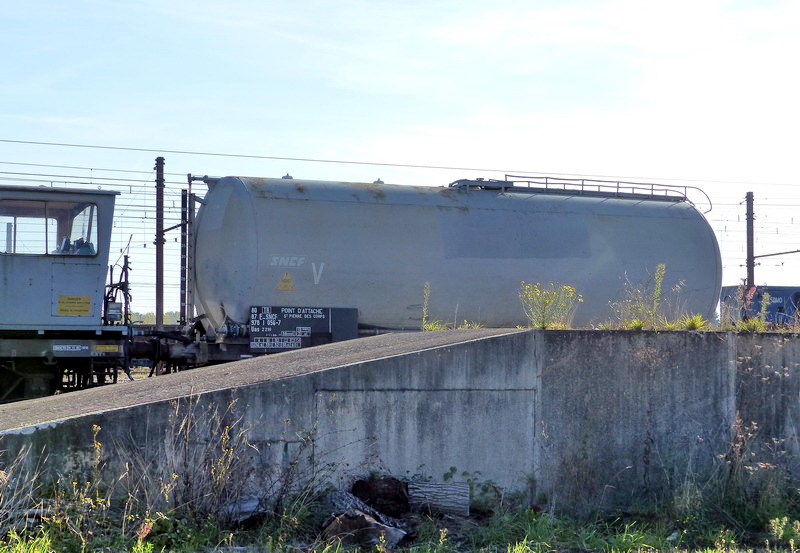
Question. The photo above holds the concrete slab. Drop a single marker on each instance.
(229, 375)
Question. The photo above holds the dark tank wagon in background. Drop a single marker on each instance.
(739, 302)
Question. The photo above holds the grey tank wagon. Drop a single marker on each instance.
(373, 246)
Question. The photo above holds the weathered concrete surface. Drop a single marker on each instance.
(427, 374)
(622, 414)
(426, 412)
(580, 419)
(229, 375)
(768, 392)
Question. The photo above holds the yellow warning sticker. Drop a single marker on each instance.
(107, 348)
(75, 306)
(286, 284)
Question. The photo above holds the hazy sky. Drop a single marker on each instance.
(694, 92)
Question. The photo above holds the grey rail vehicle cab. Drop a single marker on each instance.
(54, 248)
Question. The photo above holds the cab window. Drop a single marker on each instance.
(36, 227)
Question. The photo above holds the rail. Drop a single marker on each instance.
(587, 187)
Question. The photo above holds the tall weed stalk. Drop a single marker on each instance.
(646, 307)
(19, 493)
(430, 326)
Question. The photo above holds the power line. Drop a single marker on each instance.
(81, 168)
(80, 182)
(372, 163)
(276, 158)
(114, 179)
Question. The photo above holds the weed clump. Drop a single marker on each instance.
(693, 322)
(549, 307)
(646, 307)
(642, 307)
(757, 323)
(431, 326)
(193, 497)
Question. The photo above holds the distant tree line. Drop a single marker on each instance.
(170, 318)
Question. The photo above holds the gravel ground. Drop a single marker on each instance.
(228, 375)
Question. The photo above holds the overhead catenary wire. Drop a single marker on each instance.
(114, 179)
(63, 180)
(101, 169)
(142, 185)
(371, 163)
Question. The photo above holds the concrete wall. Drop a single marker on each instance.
(624, 414)
(579, 419)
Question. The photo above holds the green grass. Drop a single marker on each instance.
(510, 528)
(14, 543)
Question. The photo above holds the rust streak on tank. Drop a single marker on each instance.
(449, 193)
(460, 208)
(374, 189)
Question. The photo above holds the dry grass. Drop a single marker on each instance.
(19, 490)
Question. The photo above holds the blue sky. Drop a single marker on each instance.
(684, 92)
